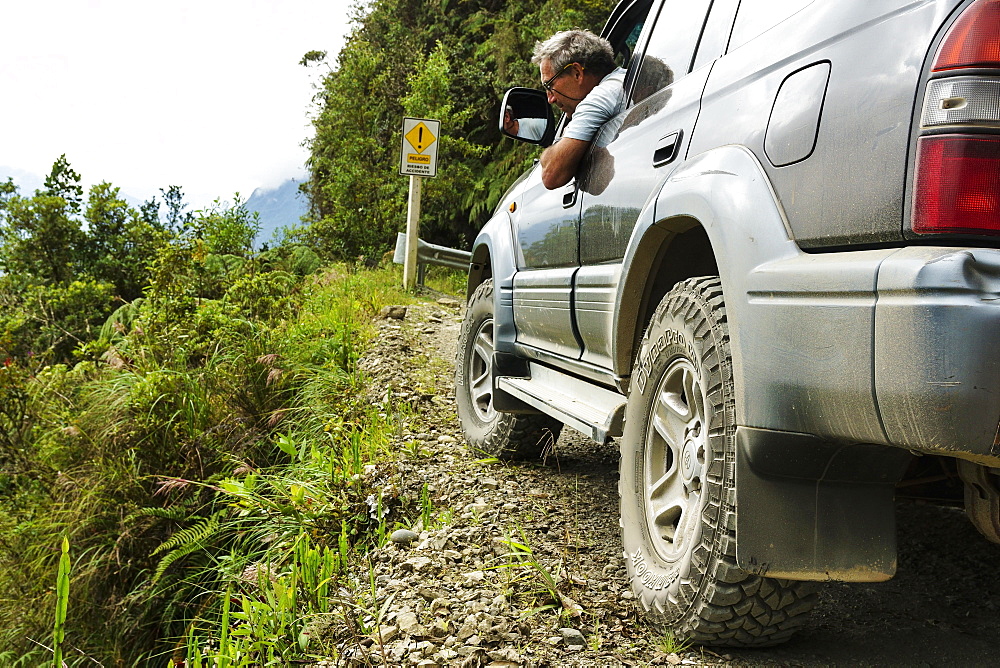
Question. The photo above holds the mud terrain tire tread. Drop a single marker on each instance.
(711, 601)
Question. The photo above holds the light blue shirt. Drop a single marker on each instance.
(601, 104)
(531, 128)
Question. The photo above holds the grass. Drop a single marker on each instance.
(336, 443)
(214, 482)
(667, 643)
(543, 585)
(595, 641)
(447, 281)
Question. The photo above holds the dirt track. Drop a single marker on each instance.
(940, 609)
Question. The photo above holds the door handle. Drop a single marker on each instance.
(569, 198)
(667, 149)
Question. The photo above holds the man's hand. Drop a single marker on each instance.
(561, 161)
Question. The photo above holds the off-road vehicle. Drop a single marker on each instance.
(775, 280)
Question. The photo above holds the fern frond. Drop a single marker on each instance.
(174, 513)
(185, 542)
(171, 557)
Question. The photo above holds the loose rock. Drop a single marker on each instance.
(403, 537)
(572, 638)
(393, 312)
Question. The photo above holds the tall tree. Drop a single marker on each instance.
(63, 181)
(121, 242)
(228, 229)
(450, 60)
(177, 219)
(40, 238)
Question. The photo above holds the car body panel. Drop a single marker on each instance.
(820, 306)
(851, 191)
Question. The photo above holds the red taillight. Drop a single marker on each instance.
(974, 39)
(957, 185)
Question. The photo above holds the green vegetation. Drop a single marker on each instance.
(62, 601)
(450, 61)
(668, 644)
(189, 417)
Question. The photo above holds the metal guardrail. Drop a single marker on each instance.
(431, 254)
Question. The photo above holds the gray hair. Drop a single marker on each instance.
(576, 46)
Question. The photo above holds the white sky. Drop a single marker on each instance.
(204, 94)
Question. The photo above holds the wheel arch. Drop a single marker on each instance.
(480, 269)
(669, 251)
(493, 256)
(717, 214)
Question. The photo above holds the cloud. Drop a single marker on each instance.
(204, 94)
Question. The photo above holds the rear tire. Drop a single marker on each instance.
(677, 484)
(501, 435)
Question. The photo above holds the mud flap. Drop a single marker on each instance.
(808, 509)
(508, 364)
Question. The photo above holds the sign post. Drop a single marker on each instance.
(418, 159)
(412, 234)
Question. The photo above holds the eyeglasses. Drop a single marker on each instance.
(547, 85)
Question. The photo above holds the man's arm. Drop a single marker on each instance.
(561, 161)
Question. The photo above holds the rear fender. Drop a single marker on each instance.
(691, 197)
(801, 324)
(800, 328)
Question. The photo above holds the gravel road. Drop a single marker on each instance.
(520, 564)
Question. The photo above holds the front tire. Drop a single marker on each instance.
(677, 485)
(502, 435)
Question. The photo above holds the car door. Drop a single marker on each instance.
(546, 227)
(631, 157)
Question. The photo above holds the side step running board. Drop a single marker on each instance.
(591, 410)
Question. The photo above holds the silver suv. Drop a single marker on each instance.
(775, 279)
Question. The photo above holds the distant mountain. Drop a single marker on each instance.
(278, 207)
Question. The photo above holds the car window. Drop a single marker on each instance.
(623, 53)
(671, 46)
(625, 28)
(715, 36)
(755, 17)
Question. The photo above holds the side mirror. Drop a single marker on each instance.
(527, 116)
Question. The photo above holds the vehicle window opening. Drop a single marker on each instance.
(625, 33)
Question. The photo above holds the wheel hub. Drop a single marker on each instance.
(688, 463)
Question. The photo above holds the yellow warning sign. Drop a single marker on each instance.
(420, 137)
(420, 140)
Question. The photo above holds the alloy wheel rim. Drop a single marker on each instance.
(479, 372)
(674, 460)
